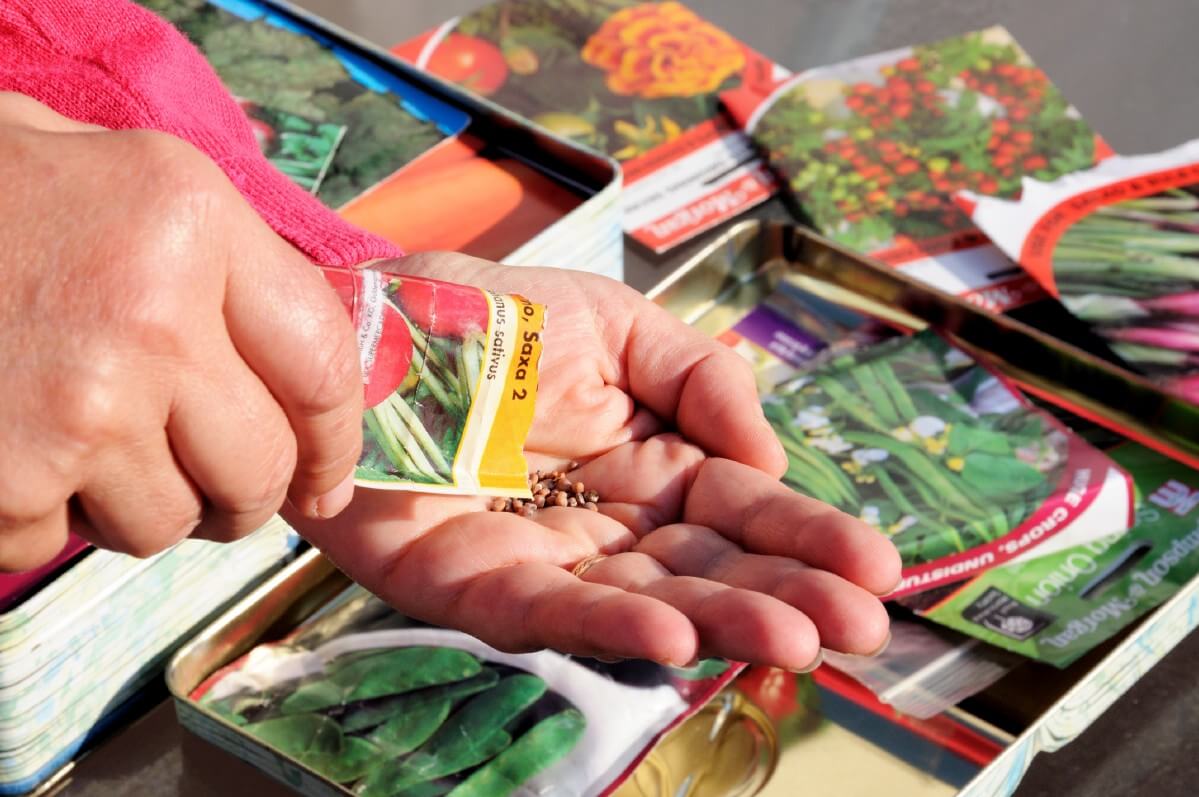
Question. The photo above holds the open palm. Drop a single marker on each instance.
(703, 551)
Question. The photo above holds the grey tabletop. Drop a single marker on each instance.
(1132, 69)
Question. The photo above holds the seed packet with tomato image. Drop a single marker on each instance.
(937, 452)
(450, 379)
(300, 147)
(637, 80)
(872, 151)
(1118, 244)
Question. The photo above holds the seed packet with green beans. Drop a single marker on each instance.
(301, 148)
(937, 452)
(379, 705)
(450, 382)
(873, 149)
(1119, 245)
(1056, 606)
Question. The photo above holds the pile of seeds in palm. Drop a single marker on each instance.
(551, 488)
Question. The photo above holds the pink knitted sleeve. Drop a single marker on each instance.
(115, 64)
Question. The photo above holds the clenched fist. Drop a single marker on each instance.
(170, 366)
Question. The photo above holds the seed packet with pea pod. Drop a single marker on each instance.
(937, 452)
(872, 151)
(1119, 245)
(450, 376)
(378, 705)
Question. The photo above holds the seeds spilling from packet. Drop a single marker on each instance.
(549, 488)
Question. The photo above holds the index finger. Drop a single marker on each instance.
(703, 386)
(293, 331)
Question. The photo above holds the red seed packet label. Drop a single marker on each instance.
(874, 149)
(450, 381)
(637, 80)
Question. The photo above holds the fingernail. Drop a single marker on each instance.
(816, 662)
(337, 499)
(881, 647)
(608, 660)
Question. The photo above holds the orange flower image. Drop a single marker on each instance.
(656, 50)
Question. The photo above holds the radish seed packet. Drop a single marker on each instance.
(450, 380)
(1118, 244)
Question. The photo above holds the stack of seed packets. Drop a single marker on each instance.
(76, 648)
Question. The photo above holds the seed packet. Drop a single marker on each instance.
(278, 62)
(1119, 245)
(450, 380)
(381, 705)
(873, 149)
(1057, 603)
(301, 148)
(637, 80)
(932, 449)
(924, 670)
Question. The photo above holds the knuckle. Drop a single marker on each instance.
(335, 368)
(90, 408)
(261, 495)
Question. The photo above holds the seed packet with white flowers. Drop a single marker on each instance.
(937, 452)
(1119, 245)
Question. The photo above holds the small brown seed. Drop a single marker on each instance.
(497, 505)
(563, 483)
(572, 502)
(592, 496)
(578, 488)
(592, 506)
(574, 465)
(517, 504)
(528, 510)
(560, 499)
(539, 501)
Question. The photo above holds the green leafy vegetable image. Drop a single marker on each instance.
(920, 442)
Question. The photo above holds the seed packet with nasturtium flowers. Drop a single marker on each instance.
(378, 705)
(873, 149)
(638, 80)
(937, 452)
(1118, 244)
(1059, 601)
(450, 375)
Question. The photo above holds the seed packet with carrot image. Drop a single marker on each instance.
(1119, 245)
(872, 151)
(637, 79)
(938, 453)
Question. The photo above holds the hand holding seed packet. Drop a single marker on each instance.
(663, 424)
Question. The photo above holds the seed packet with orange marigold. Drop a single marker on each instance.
(873, 150)
(638, 80)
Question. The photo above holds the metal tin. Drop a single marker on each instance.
(727, 748)
(737, 271)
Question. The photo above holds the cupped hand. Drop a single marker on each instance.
(697, 549)
(170, 365)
